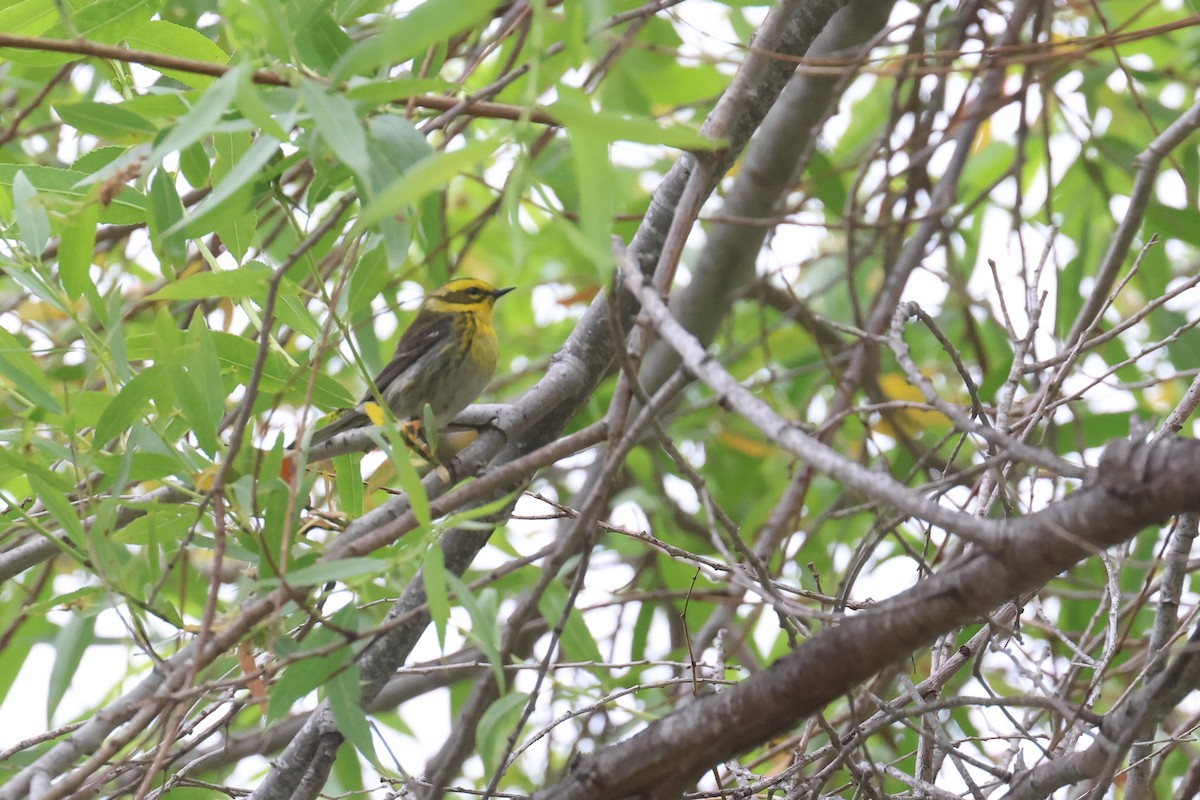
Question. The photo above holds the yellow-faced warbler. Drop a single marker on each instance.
(445, 358)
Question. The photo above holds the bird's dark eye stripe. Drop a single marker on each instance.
(465, 296)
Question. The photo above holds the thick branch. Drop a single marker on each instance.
(584, 359)
(1136, 485)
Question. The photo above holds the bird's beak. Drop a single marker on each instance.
(502, 292)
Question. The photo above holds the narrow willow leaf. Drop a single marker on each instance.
(25, 377)
(166, 209)
(199, 121)
(427, 175)
(107, 121)
(484, 629)
(496, 726)
(398, 41)
(76, 243)
(207, 366)
(433, 571)
(28, 17)
(406, 474)
(343, 692)
(347, 468)
(76, 636)
(32, 221)
(160, 36)
(337, 123)
(248, 168)
(128, 207)
(339, 570)
(130, 403)
(577, 642)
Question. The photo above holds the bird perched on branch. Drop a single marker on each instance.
(445, 359)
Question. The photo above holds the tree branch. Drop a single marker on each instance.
(83, 47)
(1135, 485)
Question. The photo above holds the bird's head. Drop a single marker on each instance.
(464, 295)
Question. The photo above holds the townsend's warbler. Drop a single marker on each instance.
(445, 358)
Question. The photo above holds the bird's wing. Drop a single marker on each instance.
(416, 342)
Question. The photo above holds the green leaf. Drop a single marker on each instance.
(110, 20)
(159, 36)
(107, 121)
(32, 220)
(26, 378)
(247, 169)
(427, 175)
(27, 18)
(200, 119)
(367, 280)
(641, 632)
(53, 491)
(127, 208)
(496, 726)
(194, 164)
(292, 311)
(236, 219)
(76, 243)
(343, 693)
(247, 281)
(337, 123)
(484, 630)
(278, 371)
(433, 571)
(577, 642)
(95, 160)
(347, 468)
(195, 376)
(130, 403)
(35, 630)
(306, 674)
(316, 574)
(206, 365)
(406, 474)
(395, 146)
(166, 209)
(348, 771)
(167, 337)
(575, 110)
(76, 636)
(250, 103)
(238, 233)
(597, 194)
(321, 41)
(391, 90)
(429, 23)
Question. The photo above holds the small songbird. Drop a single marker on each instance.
(445, 358)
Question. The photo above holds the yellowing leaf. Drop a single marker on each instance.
(37, 311)
(374, 412)
(754, 448)
(983, 136)
(381, 477)
(895, 387)
(254, 683)
(206, 477)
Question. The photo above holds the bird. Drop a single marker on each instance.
(444, 359)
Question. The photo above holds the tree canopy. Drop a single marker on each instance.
(840, 446)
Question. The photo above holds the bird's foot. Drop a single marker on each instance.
(323, 521)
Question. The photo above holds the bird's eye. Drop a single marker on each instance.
(475, 291)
